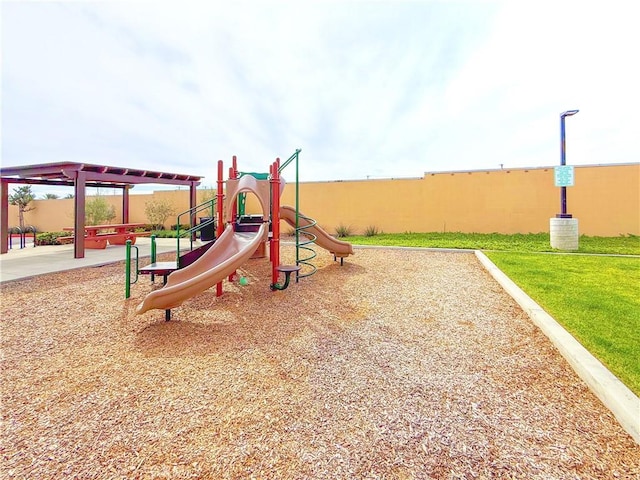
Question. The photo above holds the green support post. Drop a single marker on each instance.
(127, 270)
(153, 249)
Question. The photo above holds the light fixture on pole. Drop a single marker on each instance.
(563, 161)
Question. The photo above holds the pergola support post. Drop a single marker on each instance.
(125, 203)
(79, 207)
(4, 217)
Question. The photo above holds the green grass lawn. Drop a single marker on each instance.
(532, 242)
(595, 297)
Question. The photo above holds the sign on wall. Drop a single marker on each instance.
(563, 176)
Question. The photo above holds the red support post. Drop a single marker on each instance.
(232, 202)
(220, 212)
(193, 201)
(275, 221)
(233, 175)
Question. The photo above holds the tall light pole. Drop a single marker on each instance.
(563, 161)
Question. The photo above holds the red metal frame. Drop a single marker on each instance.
(274, 243)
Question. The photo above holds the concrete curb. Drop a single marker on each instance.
(621, 401)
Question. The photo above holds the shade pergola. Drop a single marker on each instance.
(80, 176)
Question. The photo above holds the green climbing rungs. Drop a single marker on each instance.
(303, 245)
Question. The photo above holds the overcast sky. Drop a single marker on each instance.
(367, 89)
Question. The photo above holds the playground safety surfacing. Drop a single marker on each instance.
(25, 262)
(397, 365)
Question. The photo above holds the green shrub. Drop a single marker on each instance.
(165, 233)
(50, 238)
(343, 231)
(183, 226)
(371, 231)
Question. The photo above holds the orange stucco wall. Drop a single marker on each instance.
(605, 199)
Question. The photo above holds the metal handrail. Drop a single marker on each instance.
(127, 267)
(207, 205)
(289, 160)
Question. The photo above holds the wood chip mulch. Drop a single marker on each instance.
(398, 365)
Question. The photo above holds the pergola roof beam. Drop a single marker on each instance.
(80, 176)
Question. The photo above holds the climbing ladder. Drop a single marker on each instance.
(304, 253)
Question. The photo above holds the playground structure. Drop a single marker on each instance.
(238, 240)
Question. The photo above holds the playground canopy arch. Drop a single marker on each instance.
(80, 176)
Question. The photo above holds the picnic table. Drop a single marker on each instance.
(96, 236)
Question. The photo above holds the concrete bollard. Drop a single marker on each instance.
(564, 233)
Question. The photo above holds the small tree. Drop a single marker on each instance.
(22, 197)
(207, 194)
(50, 196)
(98, 211)
(158, 211)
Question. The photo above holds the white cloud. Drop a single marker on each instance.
(365, 88)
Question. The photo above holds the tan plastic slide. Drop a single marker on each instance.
(227, 254)
(323, 239)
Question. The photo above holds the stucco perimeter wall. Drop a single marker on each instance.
(53, 215)
(605, 199)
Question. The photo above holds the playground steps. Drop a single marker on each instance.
(159, 268)
(166, 268)
(192, 255)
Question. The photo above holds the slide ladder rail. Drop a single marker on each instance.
(209, 208)
(303, 246)
(293, 157)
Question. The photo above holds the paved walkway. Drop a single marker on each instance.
(27, 262)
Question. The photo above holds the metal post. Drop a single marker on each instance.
(153, 249)
(233, 175)
(125, 203)
(563, 161)
(153, 254)
(297, 217)
(80, 194)
(127, 270)
(275, 221)
(220, 200)
(5, 235)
